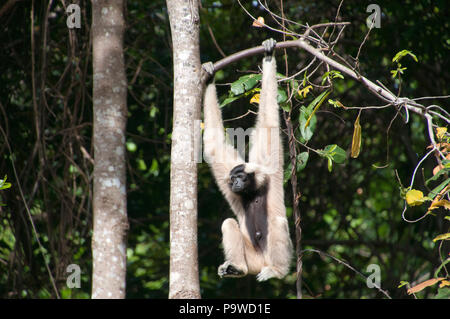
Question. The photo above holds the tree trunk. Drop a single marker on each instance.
(110, 115)
(184, 23)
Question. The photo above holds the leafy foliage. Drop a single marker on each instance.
(353, 213)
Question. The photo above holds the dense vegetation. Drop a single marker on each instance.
(352, 213)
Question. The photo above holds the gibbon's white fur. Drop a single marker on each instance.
(242, 256)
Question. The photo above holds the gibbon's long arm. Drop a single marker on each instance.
(266, 150)
(221, 156)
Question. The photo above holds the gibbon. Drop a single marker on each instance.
(258, 242)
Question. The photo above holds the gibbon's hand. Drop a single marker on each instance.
(209, 68)
(208, 71)
(269, 48)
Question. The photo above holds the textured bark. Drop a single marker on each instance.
(110, 114)
(184, 23)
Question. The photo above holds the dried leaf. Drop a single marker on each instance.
(442, 237)
(440, 132)
(356, 141)
(437, 169)
(423, 285)
(439, 203)
(336, 103)
(259, 23)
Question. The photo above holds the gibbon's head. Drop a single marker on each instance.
(240, 181)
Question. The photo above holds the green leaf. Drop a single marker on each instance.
(245, 83)
(445, 262)
(131, 146)
(436, 191)
(302, 159)
(316, 103)
(336, 103)
(141, 165)
(403, 53)
(331, 75)
(306, 132)
(443, 293)
(337, 154)
(330, 164)
(333, 153)
(154, 168)
(287, 173)
(281, 96)
(403, 283)
(285, 106)
(230, 99)
(4, 184)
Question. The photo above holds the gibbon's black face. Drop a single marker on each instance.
(240, 181)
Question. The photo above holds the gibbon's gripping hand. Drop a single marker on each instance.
(269, 48)
(208, 70)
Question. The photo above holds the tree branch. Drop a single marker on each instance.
(379, 91)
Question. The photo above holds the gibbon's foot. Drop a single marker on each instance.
(209, 68)
(265, 273)
(269, 46)
(227, 269)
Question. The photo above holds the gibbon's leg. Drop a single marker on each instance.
(279, 251)
(233, 246)
(221, 156)
(266, 149)
(254, 258)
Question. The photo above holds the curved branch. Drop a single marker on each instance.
(374, 88)
(379, 91)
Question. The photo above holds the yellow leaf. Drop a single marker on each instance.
(339, 104)
(444, 283)
(414, 197)
(259, 23)
(423, 285)
(303, 92)
(356, 141)
(442, 237)
(202, 125)
(440, 203)
(255, 98)
(440, 132)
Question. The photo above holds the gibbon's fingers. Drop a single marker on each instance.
(209, 68)
(265, 274)
(227, 269)
(269, 48)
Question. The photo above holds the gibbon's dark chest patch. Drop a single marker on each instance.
(256, 218)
